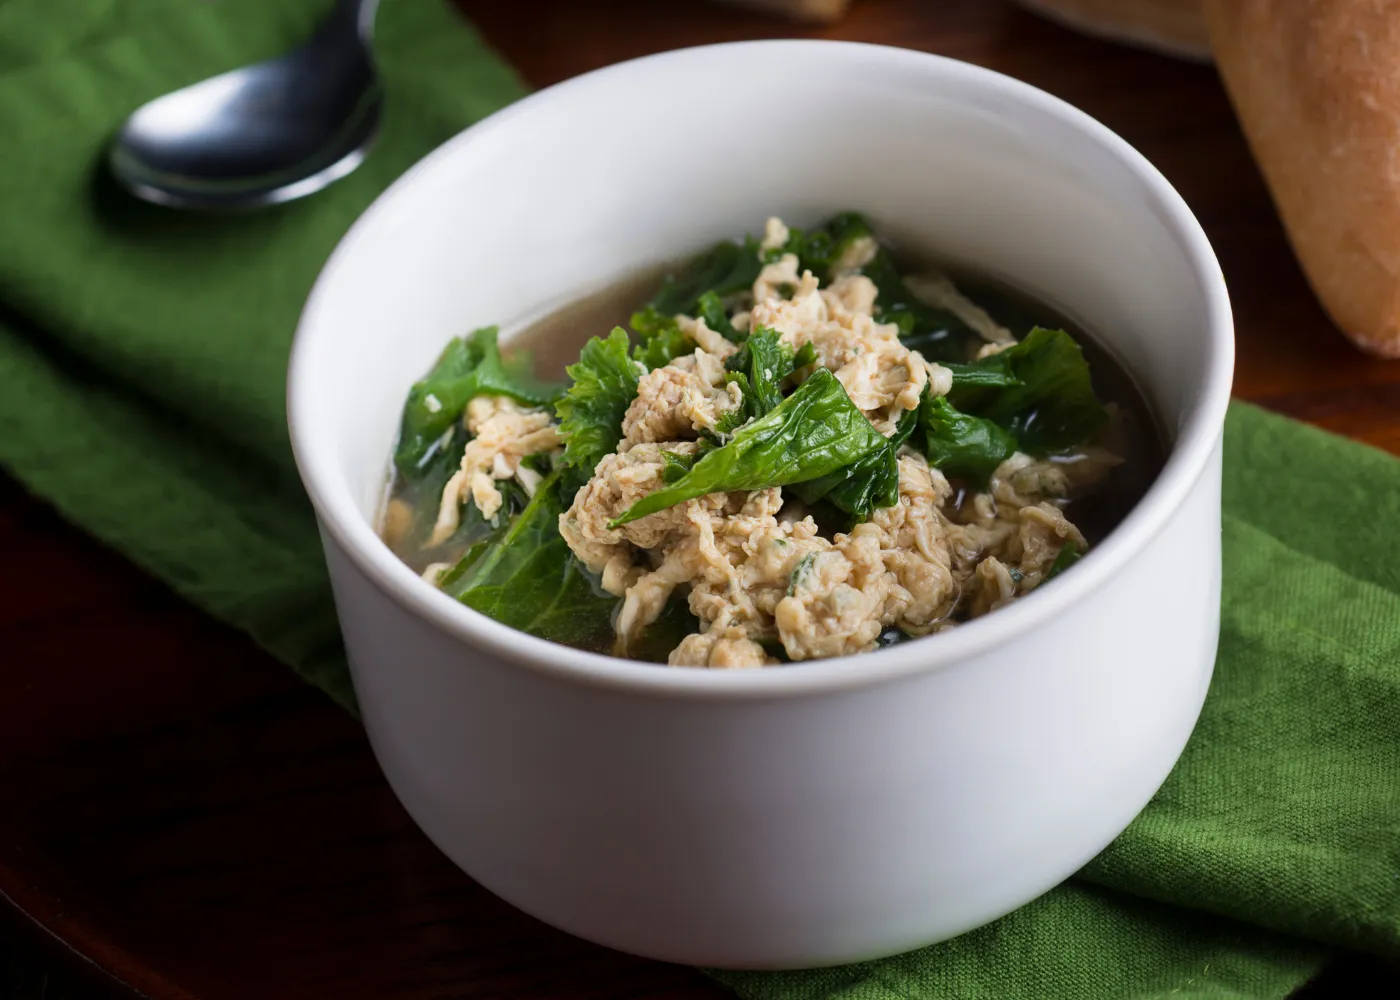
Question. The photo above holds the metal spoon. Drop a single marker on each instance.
(263, 134)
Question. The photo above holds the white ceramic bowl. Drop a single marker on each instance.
(834, 810)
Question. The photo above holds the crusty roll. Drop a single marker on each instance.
(1316, 86)
(1171, 26)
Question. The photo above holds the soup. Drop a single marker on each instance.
(794, 447)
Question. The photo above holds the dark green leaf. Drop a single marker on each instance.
(1053, 408)
(764, 361)
(710, 308)
(800, 572)
(1068, 556)
(814, 431)
(937, 334)
(869, 482)
(675, 466)
(963, 446)
(662, 340)
(472, 527)
(526, 577)
(724, 269)
(992, 372)
(758, 368)
(424, 493)
(466, 368)
(423, 490)
(590, 413)
(774, 647)
(818, 250)
(541, 462)
(806, 355)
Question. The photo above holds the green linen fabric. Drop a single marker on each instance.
(142, 355)
(143, 351)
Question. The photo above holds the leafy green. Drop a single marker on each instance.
(962, 445)
(423, 494)
(468, 367)
(1069, 555)
(541, 462)
(710, 308)
(764, 361)
(724, 269)
(988, 373)
(591, 411)
(815, 431)
(675, 466)
(759, 368)
(662, 339)
(867, 483)
(937, 333)
(800, 572)
(818, 250)
(1051, 406)
(423, 490)
(526, 577)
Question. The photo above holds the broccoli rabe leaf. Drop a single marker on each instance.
(758, 368)
(869, 482)
(936, 333)
(1069, 555)
(661, 338)
(710, 308)
(675, 465)
(424, 493)
(724, 269)
(526, 577)
(468, 367)
(820, 249)
(1049, 404)
(813, 432)
(988, 373)
(424, 490)
(961, 445)
(806, 355)
(765, 361)
(591, 411)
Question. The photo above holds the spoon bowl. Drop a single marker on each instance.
(261, 134)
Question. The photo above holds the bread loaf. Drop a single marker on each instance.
(1316, 86)
(1171, 26)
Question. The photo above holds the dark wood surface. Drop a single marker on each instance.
(182, 818)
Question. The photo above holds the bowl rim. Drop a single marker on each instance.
(1198, 433)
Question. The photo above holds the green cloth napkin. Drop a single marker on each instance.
(141, 373)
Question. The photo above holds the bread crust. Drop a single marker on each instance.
(1316, 86)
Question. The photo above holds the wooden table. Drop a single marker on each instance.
(181, 817)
